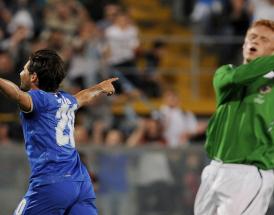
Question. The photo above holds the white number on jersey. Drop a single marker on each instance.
(65, 116)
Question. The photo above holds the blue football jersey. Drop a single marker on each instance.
(49, 138)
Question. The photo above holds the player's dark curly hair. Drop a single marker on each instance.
(49, 67)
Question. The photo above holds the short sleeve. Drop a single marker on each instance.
(38, 100)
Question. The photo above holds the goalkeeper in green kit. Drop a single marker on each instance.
(240, 136)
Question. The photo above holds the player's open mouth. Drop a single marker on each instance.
(252, 49)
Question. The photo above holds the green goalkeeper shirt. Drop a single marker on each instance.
(242, 128)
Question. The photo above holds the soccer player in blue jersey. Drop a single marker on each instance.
(59, 182)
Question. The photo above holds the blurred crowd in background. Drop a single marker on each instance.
(98, 40)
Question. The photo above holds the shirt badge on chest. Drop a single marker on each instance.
(265, 89)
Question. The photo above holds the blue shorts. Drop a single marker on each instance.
(63, 198)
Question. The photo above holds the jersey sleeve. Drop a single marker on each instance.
(75, 101)
(228, 78)
(38, 100)
(243, 74)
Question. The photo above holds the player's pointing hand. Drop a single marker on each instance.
(107, 86)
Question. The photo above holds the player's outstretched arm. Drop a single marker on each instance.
(85, 96)
(13, 92)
